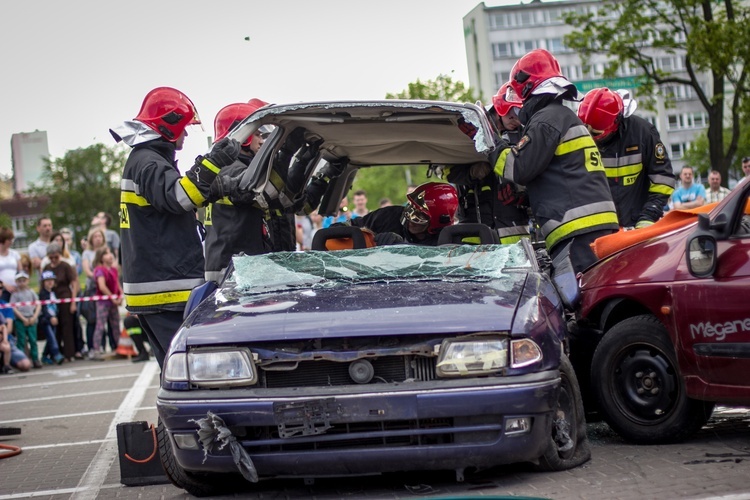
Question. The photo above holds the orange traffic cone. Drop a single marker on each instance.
(125, 345)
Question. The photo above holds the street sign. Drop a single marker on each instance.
(626, 82)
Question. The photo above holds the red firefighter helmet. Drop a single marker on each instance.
(506, 99)
(231, 115)
(168, 111)
(531, 70)
(600, 111)
(431, 203)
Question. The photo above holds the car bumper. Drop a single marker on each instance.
(430, 427)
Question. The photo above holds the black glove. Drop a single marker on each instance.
(479, 170)
(382, 239)
(652, 210)
(224, 152)
(332, 169)
(227, 184)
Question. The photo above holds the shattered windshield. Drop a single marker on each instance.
(282, 270)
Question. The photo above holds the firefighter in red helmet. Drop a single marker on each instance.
(493, 201)
(232, 229)
(162, 254)
(506, 106)
(558, 163)
(429, 208)
(635, 160)
(290, 188)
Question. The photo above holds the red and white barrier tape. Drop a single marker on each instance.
(60, 301)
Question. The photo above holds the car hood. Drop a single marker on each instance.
(376, 291)
(653, 260)
(371, 309)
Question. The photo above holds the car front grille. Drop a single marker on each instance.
(323, 373)
(377, 434)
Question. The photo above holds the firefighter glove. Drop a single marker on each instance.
(388, 238)
(224, 152)
(480, 170)
(507, 194)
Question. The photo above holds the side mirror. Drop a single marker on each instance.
(701, 255)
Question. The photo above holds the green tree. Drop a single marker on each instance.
(712, 36)
(5, 220)
(389, 182)
(443, 88)
(81, 183)
(697, 154)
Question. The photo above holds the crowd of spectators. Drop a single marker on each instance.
(690, 194)
(33, 282)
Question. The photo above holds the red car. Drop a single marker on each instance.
(670, 319)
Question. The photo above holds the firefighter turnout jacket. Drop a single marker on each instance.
(560, 165)
(162, 254)
(232, 229)
(487, 201)
(638, 170)
(388, 220)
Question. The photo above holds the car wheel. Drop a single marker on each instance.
(637, 384)
(567, 444)
(198, 485)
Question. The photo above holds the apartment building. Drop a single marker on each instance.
(497, 36)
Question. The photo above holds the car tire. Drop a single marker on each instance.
(638, 386)
(567, 445)
(198, 485)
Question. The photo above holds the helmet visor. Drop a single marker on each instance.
(414, 216)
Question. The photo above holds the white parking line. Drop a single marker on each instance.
(93, 479)
(46, 493)
(70, 415)
(68, 381)
(62, 396)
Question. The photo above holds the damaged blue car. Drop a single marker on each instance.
(372, 359)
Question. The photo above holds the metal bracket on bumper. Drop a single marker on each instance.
(305, 418)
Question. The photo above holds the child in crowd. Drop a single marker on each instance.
(26, 316)
(17, 359)
(48, 320)
(107, 310)
(5, 350)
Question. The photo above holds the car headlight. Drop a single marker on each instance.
(467, 358)
(212, 368)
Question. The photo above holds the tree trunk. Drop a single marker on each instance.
(716, 139)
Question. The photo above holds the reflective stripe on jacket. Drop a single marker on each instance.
(559, 163)
(162, 254)
(638, 170)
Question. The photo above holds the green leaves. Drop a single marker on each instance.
(81, 183)
(702, 44)
(443, 88)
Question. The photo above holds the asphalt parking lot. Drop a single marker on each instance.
(68, 416)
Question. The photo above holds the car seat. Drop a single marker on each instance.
(455, 235)
(342, 238)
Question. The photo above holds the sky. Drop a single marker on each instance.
(76, 68)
